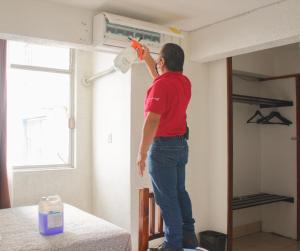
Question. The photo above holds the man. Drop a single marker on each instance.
(165, 130)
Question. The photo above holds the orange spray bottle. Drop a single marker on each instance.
(135, 44)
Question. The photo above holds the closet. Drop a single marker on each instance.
(264, 137)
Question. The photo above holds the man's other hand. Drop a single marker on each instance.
(141, 163)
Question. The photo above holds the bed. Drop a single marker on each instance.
(83, 232)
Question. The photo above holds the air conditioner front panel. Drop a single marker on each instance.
(113, 31)
(138, 24)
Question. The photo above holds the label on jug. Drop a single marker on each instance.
(55, 219)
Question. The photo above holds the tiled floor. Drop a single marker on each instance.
(265, 242)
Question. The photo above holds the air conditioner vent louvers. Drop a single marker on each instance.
(126, 31)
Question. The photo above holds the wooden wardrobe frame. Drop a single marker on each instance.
(230, 149)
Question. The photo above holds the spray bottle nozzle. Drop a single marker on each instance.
(137, 39)
(137, 46)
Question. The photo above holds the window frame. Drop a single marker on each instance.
(71, 124)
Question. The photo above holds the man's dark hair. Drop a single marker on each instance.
(173, 55)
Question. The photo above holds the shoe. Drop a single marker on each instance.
(189, 240)
(164, 247)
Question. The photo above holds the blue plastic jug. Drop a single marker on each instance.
(51, 215)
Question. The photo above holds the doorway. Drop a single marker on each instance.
(284, 199)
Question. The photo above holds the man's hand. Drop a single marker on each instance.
(146, 53)
(141, 163)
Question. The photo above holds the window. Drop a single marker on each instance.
(40, 105)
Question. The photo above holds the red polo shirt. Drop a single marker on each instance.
(169, 96)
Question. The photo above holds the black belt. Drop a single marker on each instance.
(171, 137)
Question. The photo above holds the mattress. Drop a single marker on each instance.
(82, 232)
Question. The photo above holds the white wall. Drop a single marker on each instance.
(46, 20)
(279, 161)
(287, 60)
(278, 61)
(140, 82)
(265, 28)
(197, 169)
(246, 152)
(246, 142)
(73, 185)
(216, 143)
(259, 63)
(111, 143)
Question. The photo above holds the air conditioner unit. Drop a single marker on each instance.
(111, 30)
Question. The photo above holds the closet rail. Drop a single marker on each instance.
(258, 199)
(262, 102)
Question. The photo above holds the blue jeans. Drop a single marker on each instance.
(167, 160)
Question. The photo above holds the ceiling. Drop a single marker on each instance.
(185, 14)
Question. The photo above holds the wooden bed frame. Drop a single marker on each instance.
(147, 229)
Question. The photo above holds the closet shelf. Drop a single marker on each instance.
(262, 102)
(257, 200)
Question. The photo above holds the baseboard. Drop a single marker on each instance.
(246, 229)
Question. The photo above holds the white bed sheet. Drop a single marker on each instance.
(82, 232)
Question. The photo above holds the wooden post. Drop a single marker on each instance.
(143, 219)
(230, 154)
(152, 215)
(160, 222)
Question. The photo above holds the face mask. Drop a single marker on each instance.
(157, 68)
